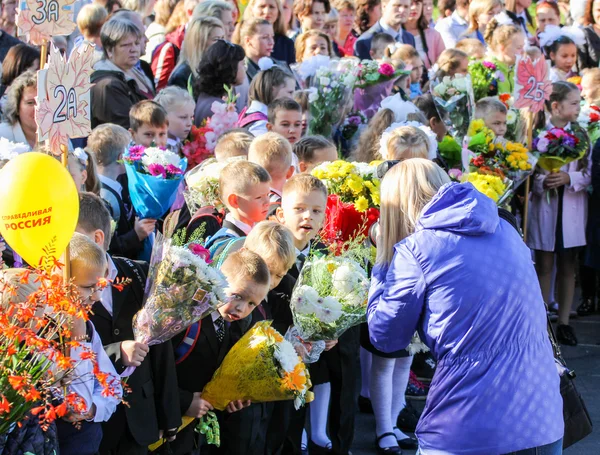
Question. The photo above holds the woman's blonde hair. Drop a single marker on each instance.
(477, 7)
(405, 191)
(14, 95)
(196, 41)
(278, 25)
(407, 142)
(178, 18)
(301, 43)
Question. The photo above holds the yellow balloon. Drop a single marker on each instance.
(39, 207)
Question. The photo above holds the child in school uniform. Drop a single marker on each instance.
(493, 112)
(107, 143)
(248, 278)
(153, 403)
(180, 107)
(88, 264)
(312, 151)
(149, 124)
(561, 46)
(267, 86)
(505, 41)
(233, 144)
(274, 153)
(285, 118)
(244, 189)
(558, 211)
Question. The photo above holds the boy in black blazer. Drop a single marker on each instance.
(153, 403)
(199, 356)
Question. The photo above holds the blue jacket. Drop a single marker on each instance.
(466, 282)
(362, 46)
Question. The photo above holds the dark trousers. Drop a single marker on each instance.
(244, 432)
(589, 278)
(127, 445)
(284, 433)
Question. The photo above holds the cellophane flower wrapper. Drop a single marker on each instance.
(557, 147)
(262, 367)
(152, 184)
(182, 288)
(330, 96)
(453, 98)
(330, 296)
(203, 185)
(307, 354)
(368, 99)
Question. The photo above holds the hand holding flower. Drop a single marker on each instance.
(198, 407)
(556, 180)
(238, 405)
(330, 344)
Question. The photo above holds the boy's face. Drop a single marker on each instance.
(244, 295)
(496, 121)
(181, 119)
(253, 206)
(85, 277)
(319, 156)
(303, 214)
(288, 124)
(148, 134)
(277, 272)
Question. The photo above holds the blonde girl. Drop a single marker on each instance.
(201, 33)
(272, 11)
(82, 167)
(505, 42)
(481, 13)
(311, 43)
(403, 143)
(452, 62)
(180, 107)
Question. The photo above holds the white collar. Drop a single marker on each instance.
(113, 184)
(276, 191)
(112, 269)
(18, 134)
(567, 127)
(458, 18)
(257, 106)
(215, 315)
(305, 251)
(237, 223)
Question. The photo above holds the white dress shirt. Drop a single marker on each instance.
(245, 228)
(452, 29)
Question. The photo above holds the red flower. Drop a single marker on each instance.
(594, 117)
(343, 222)
(4, 405)
(33, 394)
(199, 250)
(17, 382)
(478, 161)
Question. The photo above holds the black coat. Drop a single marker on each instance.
(180, 76)
(592, 255)
(154, 399)
(284, 49)
(589, 55)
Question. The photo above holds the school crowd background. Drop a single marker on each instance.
(449, 264)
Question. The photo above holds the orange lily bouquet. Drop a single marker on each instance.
(36, 367)
(262, 366)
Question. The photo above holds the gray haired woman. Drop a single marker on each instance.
(18, 119)
(117, 81)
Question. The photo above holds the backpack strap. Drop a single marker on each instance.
(207, 211)
(251, 118)
(114, 201)
(188, 343)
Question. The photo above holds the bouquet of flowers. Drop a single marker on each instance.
(35, 337)
(493, 186)
(330, 295)
(203, 185)
(453, 97)
(485, 76)
(371, 72)
(329, 98)
(353, 122)
(202, 140)
(196, 147)
(182, 287)
(557, 147)
(153, 178)
(589, 119)
(353, 202)
(262, 366)
(374, 82)
(451, 151)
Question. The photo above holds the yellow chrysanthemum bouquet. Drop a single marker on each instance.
(496, 167)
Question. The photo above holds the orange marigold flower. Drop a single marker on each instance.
(295, 380)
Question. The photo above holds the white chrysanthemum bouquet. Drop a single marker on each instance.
(331, 294)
